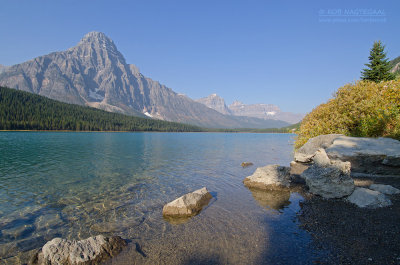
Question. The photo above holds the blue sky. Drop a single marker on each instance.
(287, 53)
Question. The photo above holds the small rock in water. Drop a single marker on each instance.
(272, 177)
(246, 164)
(368, 198)
(92, 250)
(188, 205)
(385, 189)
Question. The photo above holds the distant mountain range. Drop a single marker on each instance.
(260, 111)
(94, 73)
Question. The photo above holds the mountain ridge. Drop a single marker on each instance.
(260, 111)
(94, 73)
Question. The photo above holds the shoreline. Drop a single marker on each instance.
(353, 235)
(139, 131)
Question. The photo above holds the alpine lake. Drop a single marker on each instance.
(78, 184)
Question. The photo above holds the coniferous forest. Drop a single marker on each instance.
(21, 110)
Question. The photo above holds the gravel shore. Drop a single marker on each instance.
(353, 235)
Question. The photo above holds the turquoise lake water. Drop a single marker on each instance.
(75, 185)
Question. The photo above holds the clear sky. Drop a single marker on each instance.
(294, 54)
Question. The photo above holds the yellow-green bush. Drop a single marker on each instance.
(362, 109)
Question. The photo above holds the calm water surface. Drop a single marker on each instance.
(75, 185)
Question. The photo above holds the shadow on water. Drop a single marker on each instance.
(204, 260)
(287, 243)
(139, 250)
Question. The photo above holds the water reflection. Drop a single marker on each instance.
(272, 200)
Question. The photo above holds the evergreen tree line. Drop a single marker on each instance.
(21, 110)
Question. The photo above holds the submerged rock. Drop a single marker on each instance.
(385, 189)
(270, 177)
(363, 197)
(272, 199)
(18, 232)
(92, 250)
(188, 205)
(246, 164)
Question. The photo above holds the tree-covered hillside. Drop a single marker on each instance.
(21, 110)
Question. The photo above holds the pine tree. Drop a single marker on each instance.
(378, 66)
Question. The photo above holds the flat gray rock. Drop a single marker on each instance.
(366, 198)
(307, 151)
(269, 178)
(385, 189)
(367, 155)
(187, 205)
(92, 250)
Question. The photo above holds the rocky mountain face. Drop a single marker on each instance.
(260, 111)
(94, 73)
(3, 68)
(215, 102)
(395, 65)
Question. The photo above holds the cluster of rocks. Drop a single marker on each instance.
(326, 164)
(374, 156)
(95, 250)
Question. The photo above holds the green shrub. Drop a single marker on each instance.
(364, 109)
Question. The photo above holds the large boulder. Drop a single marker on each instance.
(385, 189)
(305, 153)
(367, 155)
(92, 250)
(366, 198)
(188, 205)
(328, 182)
(270, 177)
(329, 179)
